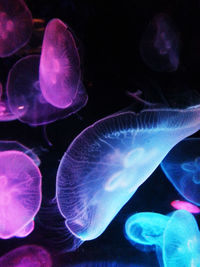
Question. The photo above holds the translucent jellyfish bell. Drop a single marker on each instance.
(181, 241)
(159, 45)
(182, 168)
(109, 160)
(59, 65)
(15, 26)
(20, 193)
(27, 256)
(26, 100)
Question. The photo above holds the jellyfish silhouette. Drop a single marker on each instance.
(109, 160)
(59, 65)
(25, 97)
(15, 26)
(159, 47)
(27, 256)
(182, 168)
(20, 193)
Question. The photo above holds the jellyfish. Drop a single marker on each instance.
(178, 204)
(109, 160)
(159, 47)
(25, 97)
(27, 256)
(15, 26)
(59, 65)
(182, 168)
(20, 193)
(146, 229)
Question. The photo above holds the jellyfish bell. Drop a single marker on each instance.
(26, 100)
(59, 65)
(15, 26)
(27, 256)
(109, 160)
(181, 167)
(20, 195)
(159, 47)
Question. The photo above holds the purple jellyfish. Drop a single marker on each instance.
(15, 26)
(25, 97)
(159, 46)
(20, 193)
(27, 256)
(59, 65)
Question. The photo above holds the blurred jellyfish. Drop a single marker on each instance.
(20, 193)
(159, 45)
(109, 160)
(15, 26)
(146, 229)
(178, 204)
(27, 256)
(182, 168)
(59, 65)
(26, 100)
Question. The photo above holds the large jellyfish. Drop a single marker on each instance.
(15, 26)
(59, 65)
(20, 193)
(27, 256)
(159, 46)
(182, 168)
(109, 160)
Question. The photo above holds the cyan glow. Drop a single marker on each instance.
(109, 160)
(182, 168)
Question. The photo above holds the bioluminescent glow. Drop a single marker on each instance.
(146, 228)
(182, 168)
(20, 193)
(181, 241)
(27, 256)
(109, 160)
(59, 65)
(26, 100)
(15, 26)
(159, 46)
(178, 204)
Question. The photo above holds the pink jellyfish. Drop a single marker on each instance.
(20, 193)
(27, 256)
(15, 26)
(59, 65)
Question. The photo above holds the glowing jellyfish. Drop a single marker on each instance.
(178, 204)
(20, 193)
(146, 228)
(182, 168)
(181, 241)
(59, 65)
(108, 161)
(26, 100)
(159, 46)
(27, 256)
(15, 26)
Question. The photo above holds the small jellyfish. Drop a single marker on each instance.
(159, 47)
(145, 228)
(59, 65)
(109, 160)
(182, 168)
(178, 204)
(20, 193)
(181, 241)
(26, 100)
(15, 26)
(27, 256)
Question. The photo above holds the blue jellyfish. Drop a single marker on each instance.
(109, 160)
(182, 168)
(159, 45)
